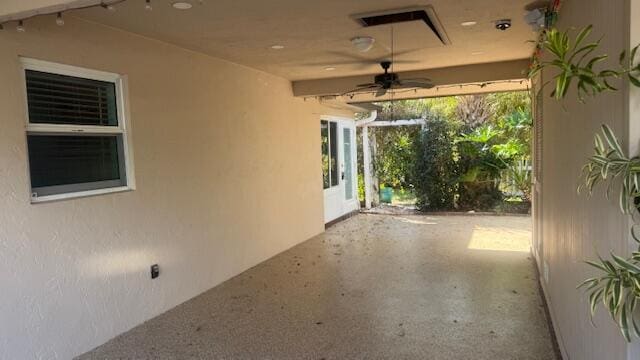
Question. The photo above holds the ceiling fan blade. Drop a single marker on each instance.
(406, 61)
(362, 88)
(334, 63)
(348, 55)
(381, 92)
(426, 80)
(397, 61)
(404, 52)
(368, 85)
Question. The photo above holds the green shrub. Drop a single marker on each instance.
(394, 160)
(435, 171)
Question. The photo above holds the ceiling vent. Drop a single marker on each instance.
(424, 14)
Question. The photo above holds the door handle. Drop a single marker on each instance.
(343, 175)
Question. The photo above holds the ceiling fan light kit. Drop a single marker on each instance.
(363, 43)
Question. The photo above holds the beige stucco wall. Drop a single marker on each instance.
(228, 174)
(575, 227)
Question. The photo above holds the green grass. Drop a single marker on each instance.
(403, 197)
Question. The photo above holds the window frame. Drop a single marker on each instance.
(122, 129)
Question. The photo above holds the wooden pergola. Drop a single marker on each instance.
(369, 149)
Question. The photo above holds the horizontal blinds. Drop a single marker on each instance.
(62, 99)
(67, 159)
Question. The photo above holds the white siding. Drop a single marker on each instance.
(575, 227)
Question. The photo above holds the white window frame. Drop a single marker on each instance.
(122, 129)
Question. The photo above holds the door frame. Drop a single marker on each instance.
(334, 198)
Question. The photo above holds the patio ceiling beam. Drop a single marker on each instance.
(513, 70)
(20, 9)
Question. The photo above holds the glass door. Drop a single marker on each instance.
(329, 136)
(338, 167)
(347, 173)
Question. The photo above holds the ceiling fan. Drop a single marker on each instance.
(382, 83)
(386, 81)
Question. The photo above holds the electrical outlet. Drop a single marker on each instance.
(155, 271)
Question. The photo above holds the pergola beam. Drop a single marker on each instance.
(388, 123)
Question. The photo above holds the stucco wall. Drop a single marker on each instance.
(228, 174)
(574, 227)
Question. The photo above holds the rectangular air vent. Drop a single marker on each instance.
(424, 14)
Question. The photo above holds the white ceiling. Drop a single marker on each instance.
(316, 33)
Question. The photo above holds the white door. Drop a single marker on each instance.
(338, 167)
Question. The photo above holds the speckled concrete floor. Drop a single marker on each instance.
(371, 287)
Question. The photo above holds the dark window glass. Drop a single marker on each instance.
(333, 144)
(62, 99)
(69, 163)
(324, 135)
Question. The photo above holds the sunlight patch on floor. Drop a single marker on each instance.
(500, 239)
(418, 221)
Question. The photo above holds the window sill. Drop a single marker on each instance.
(79, 194)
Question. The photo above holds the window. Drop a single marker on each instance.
(329, 136)
(76, 133)
(324, 135)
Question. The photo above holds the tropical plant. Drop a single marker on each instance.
(609, 163)
(518, 175)
(480, 168)
(504, 104)
(473, 110)
(573, 62)
(618, 286)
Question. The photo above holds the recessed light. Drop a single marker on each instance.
(468, 23)
(277, 47)
(182, 5)
(329, 68)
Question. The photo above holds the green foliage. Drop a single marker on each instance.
(618, 288)
(361, 196)
(418, 108)
(394, 159)
(496, 132)
(518, 175)
(480, 169)
(609, 163)
(481, 135)
(435, 169)
(509, 150)
(505, 104)
(574, 62)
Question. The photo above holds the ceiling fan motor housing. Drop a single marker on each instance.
(386, 79)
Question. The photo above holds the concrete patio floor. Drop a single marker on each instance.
(371, 287)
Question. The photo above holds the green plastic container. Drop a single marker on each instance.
(385, 195)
